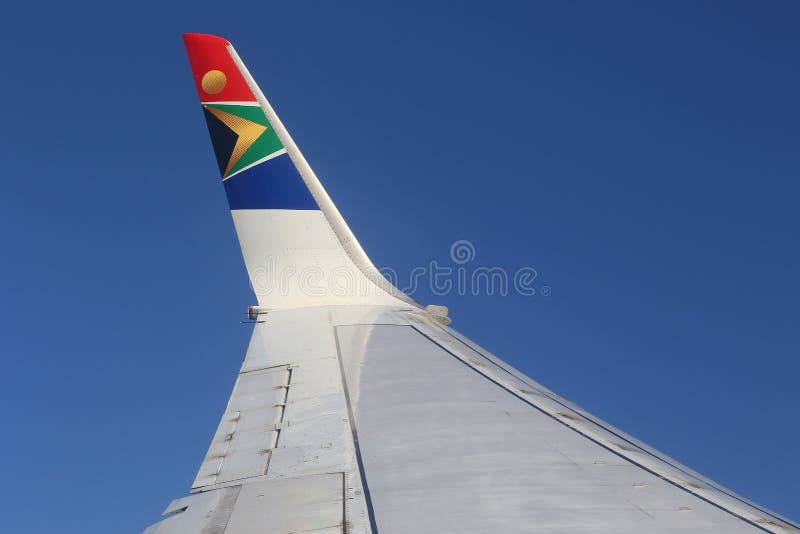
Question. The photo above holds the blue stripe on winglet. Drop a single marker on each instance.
(273, 184)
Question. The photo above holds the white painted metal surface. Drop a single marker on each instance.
(313, 504)
(470, 450)
(249, 428)
(294, 259)
(432, 434)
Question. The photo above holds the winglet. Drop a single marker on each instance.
(298, 249)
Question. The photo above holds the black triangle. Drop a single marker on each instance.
(223, 139)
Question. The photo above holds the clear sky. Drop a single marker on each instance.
(643, 159)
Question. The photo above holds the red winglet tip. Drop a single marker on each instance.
(215, 74)
(207, 37)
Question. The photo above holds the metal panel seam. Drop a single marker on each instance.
(617, 433)
(367, 498)
(601, 444)
(614, 432)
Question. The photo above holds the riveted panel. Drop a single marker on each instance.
(247, 432)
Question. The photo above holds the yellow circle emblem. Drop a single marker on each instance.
(213, 82)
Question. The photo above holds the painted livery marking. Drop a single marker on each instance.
(241, 135)
(213, 81)
(272, 184)
(209, 54)
(253, 163)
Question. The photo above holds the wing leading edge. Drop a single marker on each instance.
(362, 412)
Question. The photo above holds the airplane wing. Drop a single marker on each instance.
(359, 410)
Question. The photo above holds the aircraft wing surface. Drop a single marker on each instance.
(359, 410)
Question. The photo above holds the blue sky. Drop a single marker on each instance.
(643, 159)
